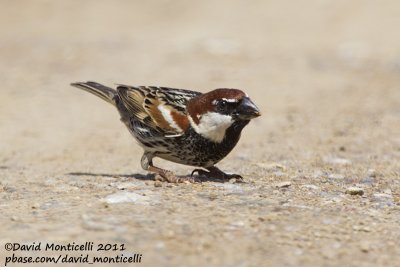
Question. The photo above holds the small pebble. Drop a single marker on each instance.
(157, 184)
(371, 173)
(361, 228)
(124, 186)
(128, 197)
(310, 186)
(336, 176)
(365, 247)
(213, 196)
(9, 189)
(355, 191)
(387, 191)
(285, 184)
(168, 234)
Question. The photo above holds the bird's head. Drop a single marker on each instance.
(210, 114)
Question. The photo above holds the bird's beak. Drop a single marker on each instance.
(247, 110)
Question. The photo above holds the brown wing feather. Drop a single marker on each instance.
(148, 105)
(133, 100)
(155, 113)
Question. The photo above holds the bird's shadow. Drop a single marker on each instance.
(146, 177)
(139, 176)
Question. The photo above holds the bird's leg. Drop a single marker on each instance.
(147, 164)
(214, 172)
(164, 175)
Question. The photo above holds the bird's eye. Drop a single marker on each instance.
(222, 104)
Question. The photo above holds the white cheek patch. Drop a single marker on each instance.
(167, 116)
(212, 125)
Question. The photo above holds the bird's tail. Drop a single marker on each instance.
(104, 92)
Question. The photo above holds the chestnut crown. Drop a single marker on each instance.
(230, 102)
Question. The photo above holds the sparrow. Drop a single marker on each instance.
(182, 126)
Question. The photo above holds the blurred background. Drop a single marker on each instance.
(317, 56)
(283, 53)
(325, 73)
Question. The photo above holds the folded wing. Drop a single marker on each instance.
(160, 108)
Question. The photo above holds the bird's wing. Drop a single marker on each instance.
(160, 108)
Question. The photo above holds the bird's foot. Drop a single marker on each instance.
(214, 172)
(170, 177)
(162, 174)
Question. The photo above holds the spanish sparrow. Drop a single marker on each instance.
(179, 125)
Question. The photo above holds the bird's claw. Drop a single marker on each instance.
(199, 172)
(216, 173)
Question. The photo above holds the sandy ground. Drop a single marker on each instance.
(326, 75)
